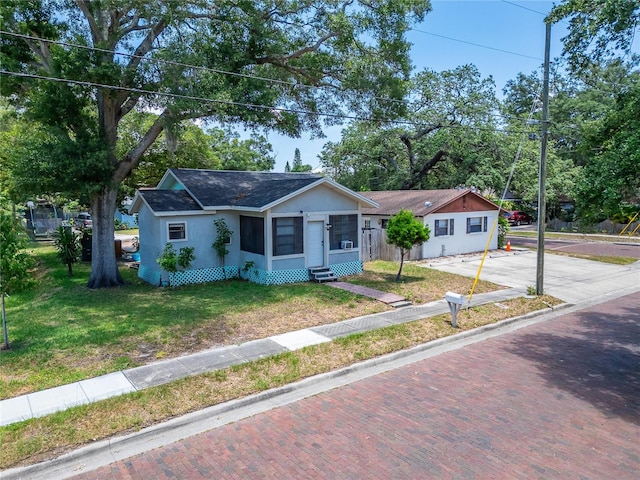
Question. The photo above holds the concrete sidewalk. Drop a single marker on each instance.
(45, 402)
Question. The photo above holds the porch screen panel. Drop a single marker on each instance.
(343, 228)
(252, 234)
(287, 236)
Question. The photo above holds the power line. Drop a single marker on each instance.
(525, 8)
(190, 66)
(179, 95)
(475, 44)
(236, 74)
(179, 64)
(247, 105)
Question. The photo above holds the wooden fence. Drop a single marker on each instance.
(375, 247)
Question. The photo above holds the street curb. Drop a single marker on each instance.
(110, 450)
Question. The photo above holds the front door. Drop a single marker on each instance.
(315, 243)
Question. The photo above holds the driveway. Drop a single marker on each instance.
(573, 280)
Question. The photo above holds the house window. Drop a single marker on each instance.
(476, 224)
(367, 223)
(383, 223)
(287, 236)
(343, 228)
(177, 231)
(443, 227)
(252, 234)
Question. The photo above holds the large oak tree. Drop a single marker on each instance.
(446, 138)
(171, 58)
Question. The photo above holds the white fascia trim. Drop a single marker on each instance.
(166, 175)
(347, 191)
(180, 213)
(135, 204)
(233, 208)
(336, 186)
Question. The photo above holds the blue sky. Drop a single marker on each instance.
(503, 26)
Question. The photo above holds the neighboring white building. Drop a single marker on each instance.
(460, 220)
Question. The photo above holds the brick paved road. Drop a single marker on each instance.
(560, 399)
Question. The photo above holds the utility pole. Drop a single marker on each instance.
(542, 174)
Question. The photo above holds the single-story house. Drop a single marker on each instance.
(283, 224)
(460, 220)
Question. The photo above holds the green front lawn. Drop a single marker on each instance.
(62, 332)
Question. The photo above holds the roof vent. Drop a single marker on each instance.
(427, 204)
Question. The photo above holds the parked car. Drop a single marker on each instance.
(83, 220)
(518, 217)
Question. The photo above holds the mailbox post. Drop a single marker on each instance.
(455, 301)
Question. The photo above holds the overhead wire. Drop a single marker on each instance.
(244, 75)
(209, 69)
(248, 105)
(475, 44)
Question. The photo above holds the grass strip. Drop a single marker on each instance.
(43, 438)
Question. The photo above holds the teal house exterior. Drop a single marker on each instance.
(283, 225)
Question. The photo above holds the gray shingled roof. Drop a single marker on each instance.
(391, 202)
(169, 200)
(215, 188)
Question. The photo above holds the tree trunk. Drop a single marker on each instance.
(4, 325)
(402, 252)
(104, 265)
(70, 269)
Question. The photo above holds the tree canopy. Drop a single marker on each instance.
(599, 30)
(78, 69)
(449, 119)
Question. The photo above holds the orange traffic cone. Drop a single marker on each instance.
(508, 246)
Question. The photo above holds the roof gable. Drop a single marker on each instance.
(422, 202)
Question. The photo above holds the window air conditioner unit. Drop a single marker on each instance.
(346, 244)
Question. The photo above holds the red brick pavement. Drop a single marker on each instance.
(560, 399)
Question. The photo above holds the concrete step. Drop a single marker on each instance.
(322, 274)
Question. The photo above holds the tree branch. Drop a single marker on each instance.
(131, 159)
(283, 59)
(416, 177)
(95, 30)
(145, 47)
(41, 50)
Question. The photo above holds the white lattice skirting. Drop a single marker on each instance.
(262, 277)
(202, 275)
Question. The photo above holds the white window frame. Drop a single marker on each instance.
(482, 224)
(169, 225)
(474, 223)
(450, 223)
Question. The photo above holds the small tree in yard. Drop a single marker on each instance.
(68, 245)
(404, 231)
(222, 240)
(14, 265)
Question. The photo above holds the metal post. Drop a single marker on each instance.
(542, 206)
